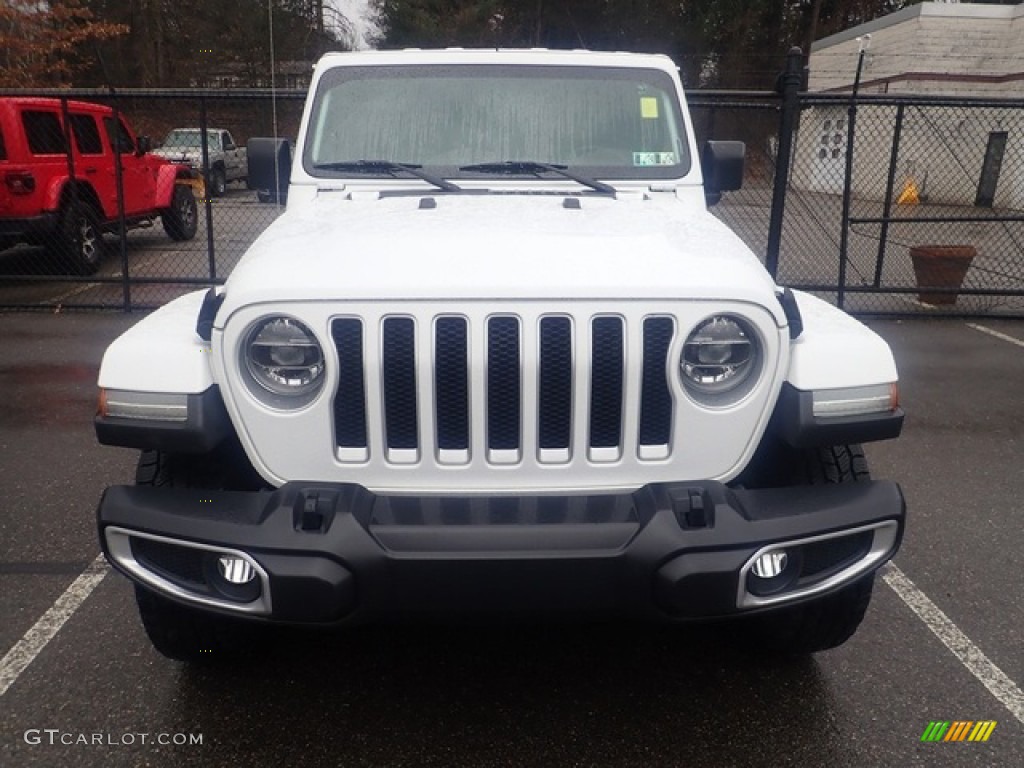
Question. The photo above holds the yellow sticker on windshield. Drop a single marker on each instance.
(649, 107)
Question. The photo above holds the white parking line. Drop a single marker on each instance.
(32, 642)
(60, 298)
(997, 334)
(970, 655)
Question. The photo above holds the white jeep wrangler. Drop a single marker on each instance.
(497, 358)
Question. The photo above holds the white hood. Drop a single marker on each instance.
(497, 247)
(179, 155)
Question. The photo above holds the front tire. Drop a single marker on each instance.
(184, 634)
(218, 182)
(829, 621)
(818, 625)
(181, 220)
(179, 631)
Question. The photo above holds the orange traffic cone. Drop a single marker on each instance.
(910, 194)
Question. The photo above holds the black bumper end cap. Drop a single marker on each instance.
(310, 589)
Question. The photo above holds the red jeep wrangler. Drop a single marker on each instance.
(67, 200)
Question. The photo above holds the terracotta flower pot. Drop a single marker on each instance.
(941, 266)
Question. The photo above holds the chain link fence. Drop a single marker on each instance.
(929, 221)
(753, 118)
(112, 239)
(932, 210)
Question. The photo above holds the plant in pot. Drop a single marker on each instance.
(941, 267)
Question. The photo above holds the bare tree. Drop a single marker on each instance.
(39, 42)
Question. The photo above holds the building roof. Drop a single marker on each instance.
(938, 10)
(938, 48)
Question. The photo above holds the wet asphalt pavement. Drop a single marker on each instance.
(519, 695)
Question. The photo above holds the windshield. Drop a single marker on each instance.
(181, 138)
(621, 123)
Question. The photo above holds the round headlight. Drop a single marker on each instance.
(284, 358)
(719, 356)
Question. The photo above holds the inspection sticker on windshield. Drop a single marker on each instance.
(654, 158)
(649, 107)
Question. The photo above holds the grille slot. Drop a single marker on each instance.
(504, 394)
(451, 383)
(350, 401)
(606, 383)
(655, 398)
(504, 511)
(554, 426)
(398, 370)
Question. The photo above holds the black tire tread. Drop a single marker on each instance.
(178, 631)
(829, 621)
(218, 182)
(67, 247)
(836, 464)
(819, 625)
(183, 634)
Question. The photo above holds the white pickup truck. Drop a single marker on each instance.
(497, 357)
(227, 160)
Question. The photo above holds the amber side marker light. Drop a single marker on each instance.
(856, 401)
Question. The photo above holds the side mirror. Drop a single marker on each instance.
(270, 168)
(721, 162)
(143, 144)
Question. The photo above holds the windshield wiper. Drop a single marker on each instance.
(387, 166)
(535, 168)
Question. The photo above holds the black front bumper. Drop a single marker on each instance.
(337, 553)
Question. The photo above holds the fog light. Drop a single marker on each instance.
(770, 564)
(235, 570)
(774, 570)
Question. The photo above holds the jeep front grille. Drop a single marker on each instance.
(539, 386)
(548, 396)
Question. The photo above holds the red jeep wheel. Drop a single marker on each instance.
(79, 240)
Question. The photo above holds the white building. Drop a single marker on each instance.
(956, 155)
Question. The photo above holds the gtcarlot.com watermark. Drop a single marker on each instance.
(55, 736)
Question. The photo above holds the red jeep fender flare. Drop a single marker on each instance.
(167, 176)
(55, 190)
(53, 193)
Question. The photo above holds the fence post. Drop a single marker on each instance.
(75, 204)
(122, 224)
(789, 87)
(851, 130)
(890, 184)
(207, 194)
